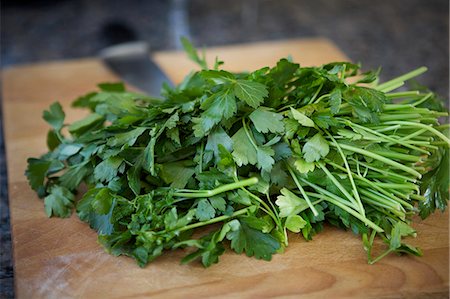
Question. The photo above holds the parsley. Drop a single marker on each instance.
(249, 157)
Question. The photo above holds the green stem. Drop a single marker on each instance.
(419, 125)
(308, 201)
(375, 186)
(353, 213)
(424, 99)
(316, 94)
(340, 187)
(349, 172)
(388, 138)
(250, 136)
(380, 158)
(211, 221)
(218, 190)
(397, 156)
(385, 172)
(394, 82)
(371, 262)
(402, 94)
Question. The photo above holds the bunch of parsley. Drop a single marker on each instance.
(244, 158)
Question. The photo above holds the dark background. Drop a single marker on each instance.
(399, 35)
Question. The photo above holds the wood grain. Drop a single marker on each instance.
(60, 258)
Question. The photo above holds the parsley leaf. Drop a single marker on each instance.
(243, 150)
(55, 116)
(218, 106)
(107, 170)
(252, 93)
(59, 202)
(251, 241)
(302, 118)
(267, 121)
(315, 148)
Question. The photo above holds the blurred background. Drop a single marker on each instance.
(399, 35)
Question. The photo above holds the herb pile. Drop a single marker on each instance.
(241, 159)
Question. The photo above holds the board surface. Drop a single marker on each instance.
(60, 258)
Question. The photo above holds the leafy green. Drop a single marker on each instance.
(251, 241)
(238, 159)
(253, 93)
(59, 202)
(55, 116)
(267, 121)
(315, 149)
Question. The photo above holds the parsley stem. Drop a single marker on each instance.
(424, 99)
(388, 138)
(380, 158)
(218, 190)
(316, 93)
(327, 193)
(420, 125)
(390, 128)
(351, 211)
(308, 201)
(350, 176)
(339, 186)
(211, 221)
(386, 86)
(250, 137)
(373, 261)
(374, 186)
(384, 171)
(402, 94)
(412, 135)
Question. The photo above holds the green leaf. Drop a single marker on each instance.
(400, 230)
(107, 170)
(177, 174)
(59, 202)
(289, 203)
(221, 105)
(251, 241)
(192, 53)
(205, 211)
(55, 116)
(366, 102)
(218, 77)
(325, 120)
(134, 177)
(126, 138)
(85, 210)
(102, 202)
(91, 121)
(435, 184)
(302, 166)
(252, 93)
(295, 223)
(243, 150)
(315, 148)
(112, 87)
(302, 118)
(267, 121)
(264, 155)
(218, 137)
(36, 172)
(52, 140)
(72, 178)
(335, 100)
(218, 203)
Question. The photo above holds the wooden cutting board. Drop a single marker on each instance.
(60, 258)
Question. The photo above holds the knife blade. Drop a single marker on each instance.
(131, 62)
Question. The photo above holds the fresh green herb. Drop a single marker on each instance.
(245, 158)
